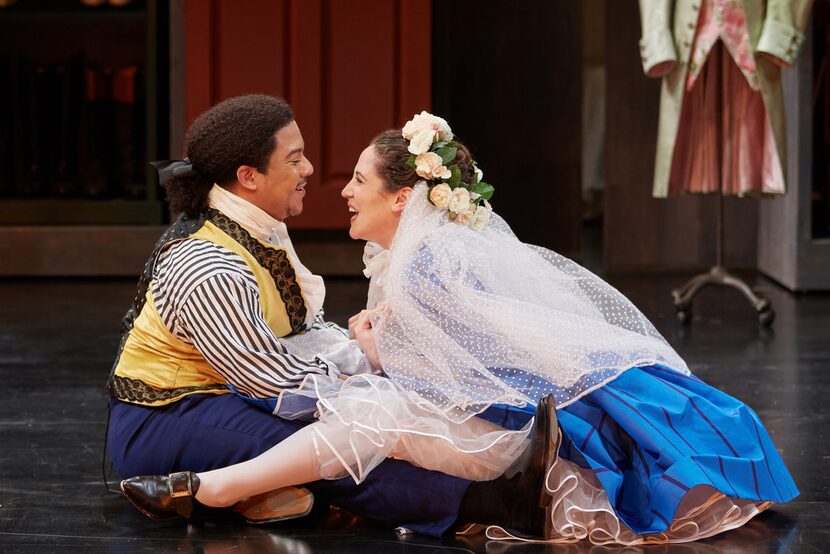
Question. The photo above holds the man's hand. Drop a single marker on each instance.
(362, 329)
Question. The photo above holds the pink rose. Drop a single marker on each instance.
(429, 166)
(459, 200)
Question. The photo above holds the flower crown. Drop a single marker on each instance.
(432, 152)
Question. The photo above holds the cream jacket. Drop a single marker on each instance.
(776, 30)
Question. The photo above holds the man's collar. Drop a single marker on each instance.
(252, 217)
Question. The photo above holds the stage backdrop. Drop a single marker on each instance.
(349, 70)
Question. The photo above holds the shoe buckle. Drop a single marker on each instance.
(180, 487)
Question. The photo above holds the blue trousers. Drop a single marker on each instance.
(203, 432)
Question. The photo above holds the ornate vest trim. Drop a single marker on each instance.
(134, 390)
(180, 229)
(275, 260)
(143, 333)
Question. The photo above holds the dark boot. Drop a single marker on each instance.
(518, 503)
(528, 514)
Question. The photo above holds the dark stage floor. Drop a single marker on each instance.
(57, 339)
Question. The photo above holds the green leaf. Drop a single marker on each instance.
(455, 176)
(447, 154)
(485, 190)
(411, 161)
(440, 144)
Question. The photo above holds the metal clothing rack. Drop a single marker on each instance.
(718, 274)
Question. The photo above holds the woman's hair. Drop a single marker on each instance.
(238, 131)
(392, 152)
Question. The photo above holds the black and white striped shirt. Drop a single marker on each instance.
(207, 296)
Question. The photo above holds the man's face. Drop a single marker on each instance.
(280, 190)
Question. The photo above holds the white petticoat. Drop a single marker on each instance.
(580, 510)
(371, 418)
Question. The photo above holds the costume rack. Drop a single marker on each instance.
(718, 274)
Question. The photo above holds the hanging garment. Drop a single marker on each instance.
(725, 140)
(761, 36)
(722, 20)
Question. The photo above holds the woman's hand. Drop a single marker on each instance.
(362, 329)
(353, 323)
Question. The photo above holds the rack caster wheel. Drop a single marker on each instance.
(766, 317)
(684, 314)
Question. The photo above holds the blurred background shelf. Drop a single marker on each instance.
(79, 123)
(80, 211)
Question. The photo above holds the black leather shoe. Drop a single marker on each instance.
(163, 497)
(528, 514)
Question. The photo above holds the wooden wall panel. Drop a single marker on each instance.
(349, 70)
(198, 58)
(360, 92)
(248, 48)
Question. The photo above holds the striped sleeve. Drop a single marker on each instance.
(208, 296)
(321, 323)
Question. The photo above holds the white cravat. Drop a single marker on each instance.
(376, 260)
(273, 231)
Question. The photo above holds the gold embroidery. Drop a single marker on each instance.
(275, 260)
(272, 259)
(133, 390)
(180, 228)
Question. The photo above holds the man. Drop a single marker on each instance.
(219, 299)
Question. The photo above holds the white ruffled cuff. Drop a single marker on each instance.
(348, 359)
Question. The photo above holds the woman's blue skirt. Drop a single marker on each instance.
(652, 434)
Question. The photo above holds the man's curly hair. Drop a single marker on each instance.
(235, 132)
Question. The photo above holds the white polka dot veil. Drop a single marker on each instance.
(472, 319)
(478, 317)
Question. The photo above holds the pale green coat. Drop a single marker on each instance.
(776, 30)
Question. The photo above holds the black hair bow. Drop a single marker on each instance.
(173, 168)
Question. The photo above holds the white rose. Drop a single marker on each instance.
(440, 195)
(440, 124)
(479, 174)
(425, 121)
(465, 217)
(429, 166)
(421, 142)
(480, 218)
(459, 200)
(419, 122)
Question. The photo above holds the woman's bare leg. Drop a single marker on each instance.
(291, 462)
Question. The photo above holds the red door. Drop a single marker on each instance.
(349, 68)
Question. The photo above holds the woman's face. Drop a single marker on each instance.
(375, 211)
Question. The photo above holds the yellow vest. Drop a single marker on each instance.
(156, 368)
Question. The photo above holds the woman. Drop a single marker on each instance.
(471, 328)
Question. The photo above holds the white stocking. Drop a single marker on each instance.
(291, 462)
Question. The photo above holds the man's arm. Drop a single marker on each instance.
(207, 296)
(321, 323)
(227, 326)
